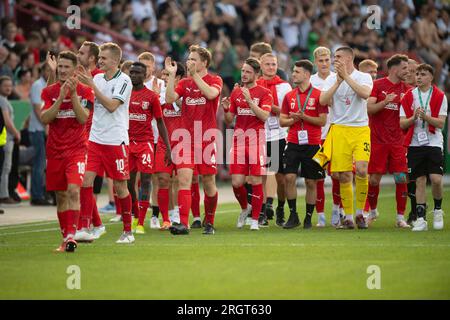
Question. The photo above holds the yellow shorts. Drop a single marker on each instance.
(349, 144)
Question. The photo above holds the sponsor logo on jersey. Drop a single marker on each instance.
(391, 106)
(171, 113)
(63, 114)
(195, 101)
(138, 117)
(245, 111)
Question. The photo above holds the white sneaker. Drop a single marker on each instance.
(126, 238)
(248, 221)
(83, 235)
(98, 231)
(117, 218)
(321, 222)
(335, 218)
(401, 223)
(154, 223)
(420, 225)
(438, 219)
(373, 215)
(243, 216)
(254, 226)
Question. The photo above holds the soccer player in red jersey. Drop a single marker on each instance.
(66, 110)
(302, 112)
(387, 150)
(144, 106)
(108, 139)
(200, 93)
(88, 58)
(166, 173)
(251, 105)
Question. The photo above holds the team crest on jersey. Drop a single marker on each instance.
(402, 95)
(84, 103)
(311, 101)
(145, 105)
(256, 101)
(293, 103)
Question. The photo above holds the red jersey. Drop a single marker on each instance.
(196, 107)
(313, 108)
(91, 114)
(144, 106)
(172, 120)
(385, 124)
(245, 117)
(67, 137)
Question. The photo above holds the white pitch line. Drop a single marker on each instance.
(208, 244)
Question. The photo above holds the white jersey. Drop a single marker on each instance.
(348, 108)
(277, 132)
(323, 85)
(162, 100)
(434, 140)
(111, 128)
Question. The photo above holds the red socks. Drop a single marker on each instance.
(184, 203)
(241, 196)
(72, 221)
(163, 202)
(195, 205)
(336, 190)
(135, 209)
(257, 200)
(86, 206)
(210, 208)
(125, 205)
(320, 200)
(367, 205)
(401, 193)
(143, 207)
(62, 222)
(372, 195)
(96, 220)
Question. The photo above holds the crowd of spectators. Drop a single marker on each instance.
(294, 28)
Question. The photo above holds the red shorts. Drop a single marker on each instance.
(387, 157)
(112, 159)
(62, 172)
(142, 157)
(160, 165)
(249, 160)
(203, 157)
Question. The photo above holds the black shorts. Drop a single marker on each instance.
(295, 154)
(98, 183)
(275, 162)
(425, 160)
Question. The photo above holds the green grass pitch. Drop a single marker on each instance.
(233, 264)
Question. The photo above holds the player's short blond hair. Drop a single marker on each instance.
(321, 51)
(367, 63)
(204, 54)
(146, 56)
(267, 55)
(113, 48)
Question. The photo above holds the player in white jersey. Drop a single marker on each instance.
(159, 87)
(108, 139)
(348, 140)
(322, 60)
(276, 140)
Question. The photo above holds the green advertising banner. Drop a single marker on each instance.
(22, 110)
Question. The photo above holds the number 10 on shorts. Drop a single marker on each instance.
(120, 164)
